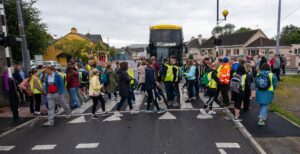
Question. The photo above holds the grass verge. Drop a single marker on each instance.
(276, 108)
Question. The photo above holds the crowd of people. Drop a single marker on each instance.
(222, 80)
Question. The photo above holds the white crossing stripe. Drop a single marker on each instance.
(108, 106)
(204, 99)
(80, 119)
(228, 145)
(83, 107)
(204, 116)
(222, 151)
(138, 102)
(87, 145)
(44, 147)
(167, 116)
(183, 104)
(6, 148)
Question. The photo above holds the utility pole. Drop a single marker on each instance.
(218, 41)
(12, 92)
(25, 51)
(278, 28)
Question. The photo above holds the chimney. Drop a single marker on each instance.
(73, 30)
(200, 39)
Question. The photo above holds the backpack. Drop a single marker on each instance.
(236, 84)
(263, 81)
(204, 79)
(85, 77)
(105, 78)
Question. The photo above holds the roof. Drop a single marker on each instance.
(231, 39)
(263, 42)
(165, 26)
(94, 37)
(193, 44)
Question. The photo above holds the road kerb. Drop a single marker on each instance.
(246, 134)
(18, 127)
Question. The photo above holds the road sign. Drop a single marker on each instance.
(38, 60)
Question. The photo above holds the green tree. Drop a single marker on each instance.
(74, 47)
(36, 31)
(243, 29)
(224, 30)
(290, 34)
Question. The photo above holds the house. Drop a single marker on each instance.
(249, 43)
(121, 55)
(193, 46)
(137, 51)
(56, 54)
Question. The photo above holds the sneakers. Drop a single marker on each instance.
(193, 98)
(237, 119)
(116, 99)
(161, 111)
(94, 116)
(261, 123)
(149, 111)
(105, 114)
(188, 101)
(202, 111)
(68, 116)
(118, 114)
(134, 111)
(212, 112)
(48, 123)
(37, 113)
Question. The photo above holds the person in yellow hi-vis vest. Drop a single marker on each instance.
(130, 72)
(212, 88)
(37, 90)
(170, 76)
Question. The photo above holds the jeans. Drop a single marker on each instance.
(95, 103)
(172, 88)
(123, 99)
(191, 86)
(283, 69)
(54, 99)
(263, 111)
(38, 100)
(74, 95)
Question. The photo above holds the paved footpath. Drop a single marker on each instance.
(180, 130)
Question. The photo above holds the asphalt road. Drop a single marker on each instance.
(176, 131)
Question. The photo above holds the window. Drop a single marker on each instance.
(295, 52)
(228, 52)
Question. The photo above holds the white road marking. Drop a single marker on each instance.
(222, 151)
(44, 147)
(112, 118)
(183, 104)
(167, 116)
(80, 119)
(228, 145)
(6, 148)
(108, 106)
(138, 102)
(87, 145)
(83, 107)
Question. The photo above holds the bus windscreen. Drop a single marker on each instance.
(166, 36)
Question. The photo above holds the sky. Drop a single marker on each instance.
(127, 22)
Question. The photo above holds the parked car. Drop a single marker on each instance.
(53, 63)
(32, 64)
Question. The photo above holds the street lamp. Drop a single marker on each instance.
(218, 41)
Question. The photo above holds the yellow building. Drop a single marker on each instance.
(53, 53)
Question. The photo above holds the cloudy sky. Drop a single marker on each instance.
(127, 21)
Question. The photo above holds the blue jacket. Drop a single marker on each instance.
(58, 80)
(191, 74)
(150, 79)
(264, 96)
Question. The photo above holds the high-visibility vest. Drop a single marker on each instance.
(212, 83)
(271, 79)
(169, 75)
(178, 72)
(225, 74)
(131, 74)
(243, 84)
(219, 70)
(33, 89)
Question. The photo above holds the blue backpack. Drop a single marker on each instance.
(263, 81)
(105, 78)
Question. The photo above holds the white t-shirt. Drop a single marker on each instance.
(51, 78)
